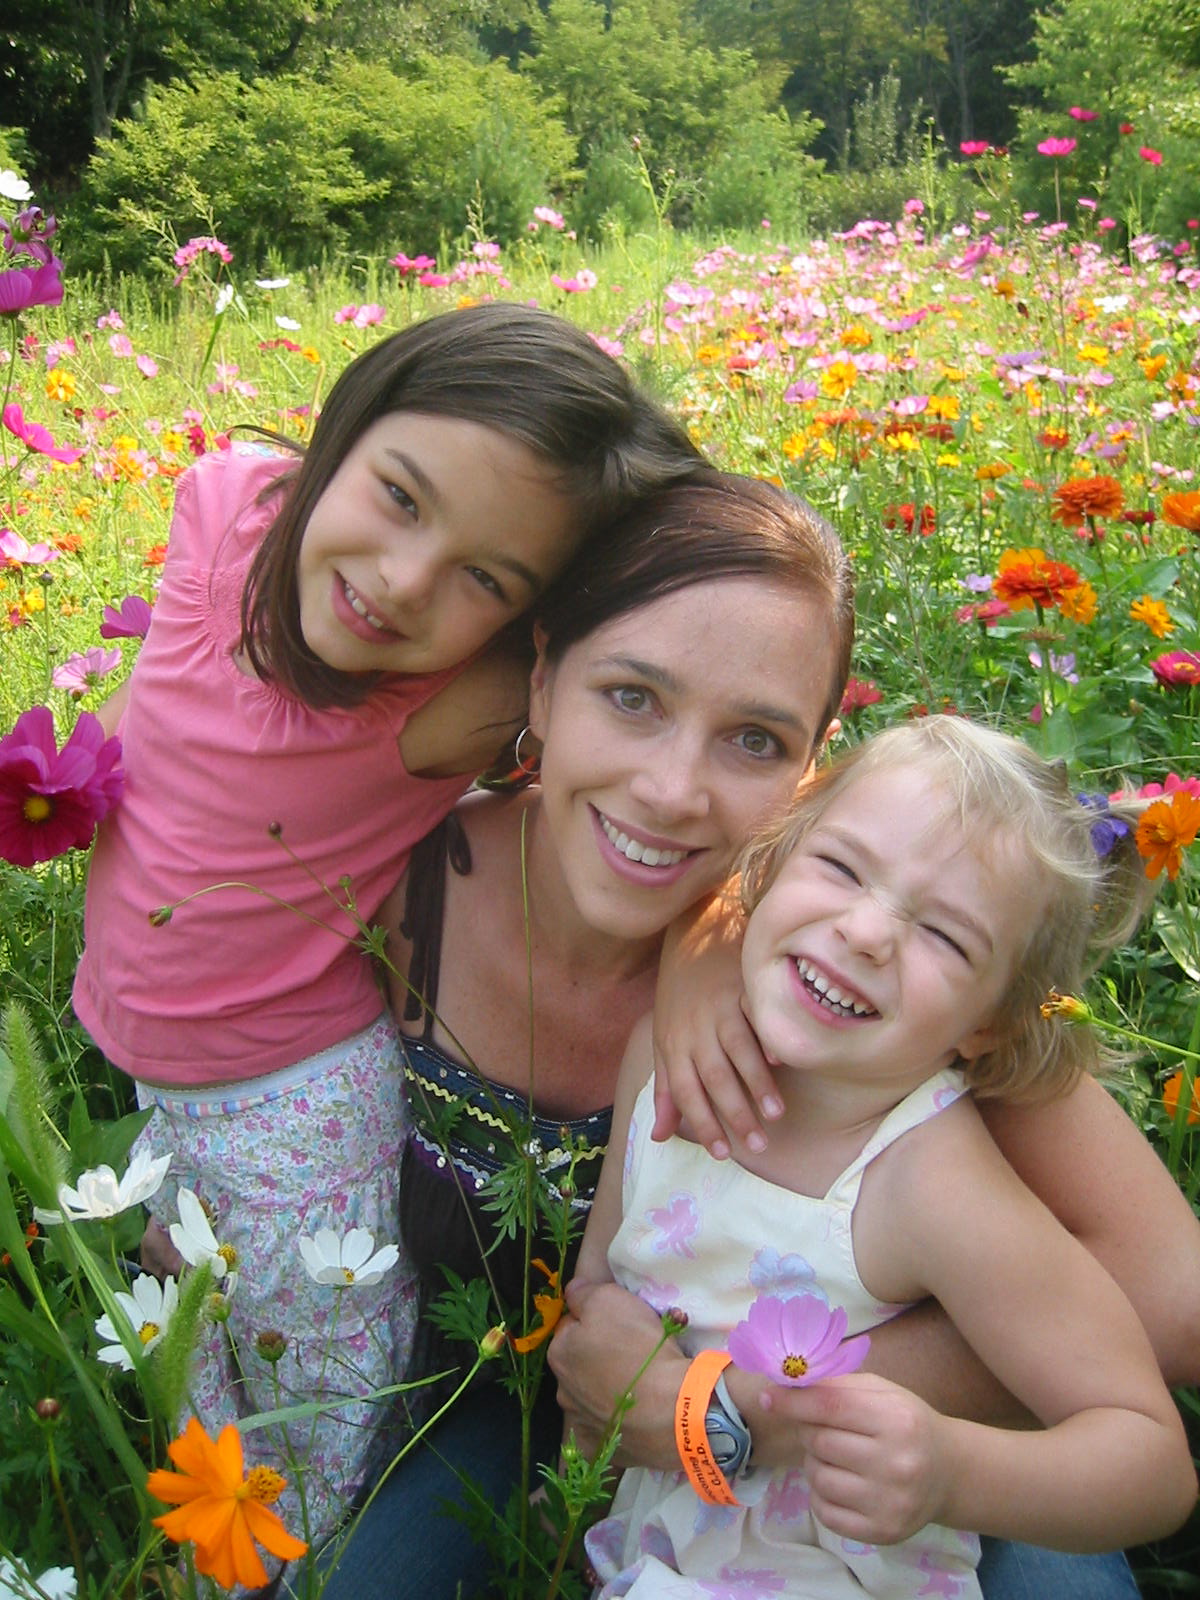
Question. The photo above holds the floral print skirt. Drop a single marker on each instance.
(316, 1146)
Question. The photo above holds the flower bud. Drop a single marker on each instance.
(674, 1320)
(1066, 1006)
(493, 1342)
(270, 1345)
(48, 1409)
(160, 918)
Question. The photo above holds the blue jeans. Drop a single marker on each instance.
(408, 1547)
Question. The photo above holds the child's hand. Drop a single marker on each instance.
(709, 1069)
(873, 1454)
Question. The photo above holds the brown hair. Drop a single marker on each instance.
(714, 525)
(1001, 789)
(525, 372)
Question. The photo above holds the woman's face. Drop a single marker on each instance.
(672, 732)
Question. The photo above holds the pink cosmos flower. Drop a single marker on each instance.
(51, 800)
(111, 319)
(552, 219)
(34, 437)
(130, 621)
(1154, 157)
(796, 1341)
(121, 345)
(1056, 147)
(22, 287)
(83, 671)
(974, 147)
(1156, 791)
(187, 253)
(403, 263)
(147, 366)
(14, 552)
(1081, 115)
(583, 280)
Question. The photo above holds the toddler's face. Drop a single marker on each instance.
(886, 944)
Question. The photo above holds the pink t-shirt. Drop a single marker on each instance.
(235, 986)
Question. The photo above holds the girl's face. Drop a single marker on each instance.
(432, 534)
(884, 948)
(669, 734)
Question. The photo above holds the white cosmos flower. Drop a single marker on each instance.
(288, 324)
(328, 1259)
(14, 187)
(224, 299)
(193, 1237)
(56, 1583)
(97, 1193)
(271, 283)
(147, 1311)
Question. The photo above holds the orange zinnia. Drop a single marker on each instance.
(1026, 578)
(221, 1509)
(1079, 498)
(1166, 828)
(1182, 510)
(1170, 1098)
(548, 1306)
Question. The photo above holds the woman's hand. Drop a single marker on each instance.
(875, 1455)
(158, 1255)
(597, 1348)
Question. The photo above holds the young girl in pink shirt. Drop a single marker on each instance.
(321, 681)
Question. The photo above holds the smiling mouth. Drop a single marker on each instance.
(828, 995)
(634, 850)
(359, 606)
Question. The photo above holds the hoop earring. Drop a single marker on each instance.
(526, 765)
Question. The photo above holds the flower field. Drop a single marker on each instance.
(1001, 421)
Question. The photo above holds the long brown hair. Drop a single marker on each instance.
(525, 372)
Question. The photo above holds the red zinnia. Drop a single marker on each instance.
(1026, 578)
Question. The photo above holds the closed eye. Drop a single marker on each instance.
(944, 938)
(840, 867)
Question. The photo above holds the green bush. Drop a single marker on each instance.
(356, 159)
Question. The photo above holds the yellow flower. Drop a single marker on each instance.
(994, 470)
(944, 407)
(855, 337)
(549, 1307)
(311, 353)
(904, 440)
(949, 459)
(795, 445)
(837, 378)
(1079, 604)
(221, 1510)
(1154, 614)
(1097, 354)
(172, 441)
(60, 385)
(707, 354)
(953, 374)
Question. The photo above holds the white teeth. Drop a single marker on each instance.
(830, 996)
(633, 850)
(357, 605)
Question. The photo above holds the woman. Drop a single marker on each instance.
(683, 684)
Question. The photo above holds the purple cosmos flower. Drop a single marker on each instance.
(83, 671)
(130, 621)
(797, 1341)
(22, 287)
(51, 799)
(34, 437)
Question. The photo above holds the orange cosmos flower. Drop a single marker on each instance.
(1154, 614)
(1028, 578)
(1153, 365)
(1166, 829)
(1182, 510)
(1170, 1098)
(1086, 497)
(548, 1306)
(221, 1509)
(992, 471)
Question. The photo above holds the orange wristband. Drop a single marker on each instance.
(704, 1475)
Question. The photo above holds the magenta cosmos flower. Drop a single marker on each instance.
(130, 621)
(34, 437)
(1056, 147)
(51, 799)
(1082, 114)
(1154, 157)
(974, 147)
(22, 287)
(797, 1341)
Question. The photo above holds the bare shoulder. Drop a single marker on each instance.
(466, 724)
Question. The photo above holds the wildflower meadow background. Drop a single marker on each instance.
(997, 404)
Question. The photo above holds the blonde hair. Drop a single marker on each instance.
(998, 786)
